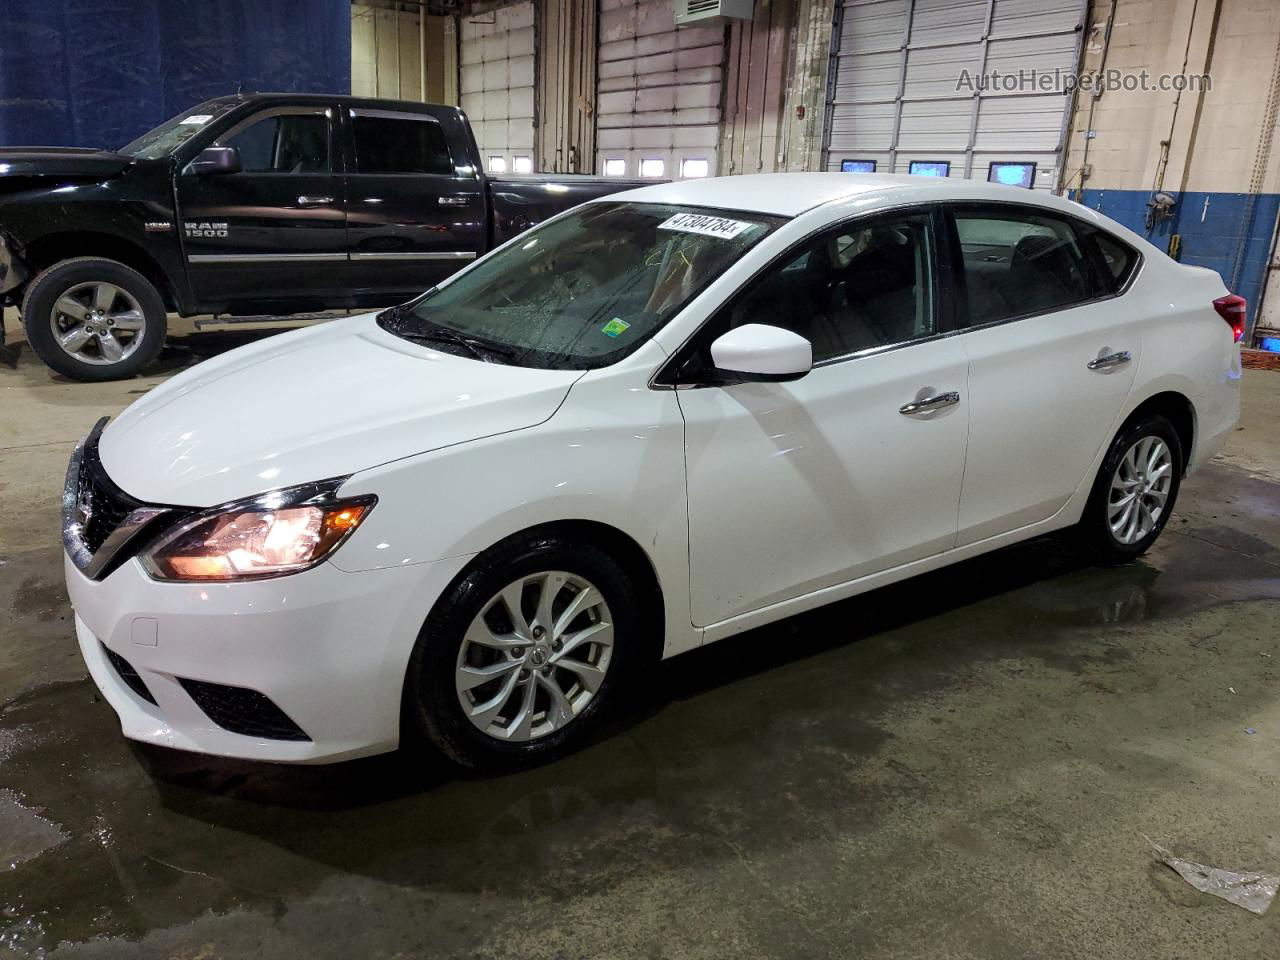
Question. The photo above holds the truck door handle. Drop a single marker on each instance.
(454, 201)
(1110, 360)
(314, 201)
(929, 404)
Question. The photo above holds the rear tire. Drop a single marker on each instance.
(93, 319)
(1134, 493)
(572, 670)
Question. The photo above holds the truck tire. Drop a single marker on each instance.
(94, 319)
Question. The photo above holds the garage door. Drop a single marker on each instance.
(658, 92)
(497, 85)
(893, 99)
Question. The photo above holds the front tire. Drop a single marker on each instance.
(1135, 491)
(523, 656)
(93, 319)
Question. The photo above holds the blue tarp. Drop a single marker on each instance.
(97, 73)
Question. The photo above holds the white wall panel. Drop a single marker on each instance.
(658, 87)
(896, 64)
(497, 80)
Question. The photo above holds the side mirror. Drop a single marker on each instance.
(215, 160)
(759, 352)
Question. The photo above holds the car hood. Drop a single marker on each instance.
(61, 162)
(317, 403)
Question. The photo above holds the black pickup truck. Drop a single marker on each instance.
(246, 205)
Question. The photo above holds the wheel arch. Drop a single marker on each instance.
(1177, 408)
(53, 248)
(618, 544)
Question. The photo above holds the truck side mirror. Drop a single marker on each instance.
(215, 160)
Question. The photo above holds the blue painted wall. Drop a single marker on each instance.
(1227, 232)
(99, 72)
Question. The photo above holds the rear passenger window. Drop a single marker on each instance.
(400, 145)
(1019, 261)
(1117, 259)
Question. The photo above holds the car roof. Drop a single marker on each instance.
(791, 194)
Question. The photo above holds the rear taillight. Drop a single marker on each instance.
(1232, 309)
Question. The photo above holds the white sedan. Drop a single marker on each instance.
(649, 424)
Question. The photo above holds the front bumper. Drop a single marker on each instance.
(328, 648)
(13, 272)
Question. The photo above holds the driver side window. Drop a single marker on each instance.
(858, 287)
(283, 143)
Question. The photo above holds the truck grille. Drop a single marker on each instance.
(243, 711)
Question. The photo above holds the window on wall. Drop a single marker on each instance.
(615, 167)
(857, 166)
(1018, 262)
(497, 164)
(930, 168)
(1013, 174)
(522, 165)
(283, 143)
(855, 288)
(695, 167)
(400, 145)
(653, 167)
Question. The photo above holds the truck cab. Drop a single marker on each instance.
(246, 205)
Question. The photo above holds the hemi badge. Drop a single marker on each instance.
(157, 227)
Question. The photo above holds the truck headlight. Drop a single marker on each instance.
(276, 534)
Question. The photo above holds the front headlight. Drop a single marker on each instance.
(282, 532)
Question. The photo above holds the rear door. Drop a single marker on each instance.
(1052, 356)
(415, 211)
(274, 232)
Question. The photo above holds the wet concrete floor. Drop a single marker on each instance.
(961, 766)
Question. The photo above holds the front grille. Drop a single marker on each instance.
(242, 711)
(107, 504)
(129, 675)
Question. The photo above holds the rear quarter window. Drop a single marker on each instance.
(1116, 260)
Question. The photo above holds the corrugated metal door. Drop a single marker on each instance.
(658, 101)
(895, 94)
(497, 85)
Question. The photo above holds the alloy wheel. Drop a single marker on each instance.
(1140, 490)
(535, 656)
(97, 322)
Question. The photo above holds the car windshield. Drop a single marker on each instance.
(584, 290)
(171, 134)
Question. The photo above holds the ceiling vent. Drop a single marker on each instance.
(712, 11)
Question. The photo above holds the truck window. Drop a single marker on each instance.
(400, 144)
(283, 143)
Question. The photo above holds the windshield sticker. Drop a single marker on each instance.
(708, 226)
(197, 119)
(615, 327)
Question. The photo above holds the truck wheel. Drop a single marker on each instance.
(94, 319)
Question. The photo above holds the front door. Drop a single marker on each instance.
(415, 212)
(798, 486)
(1051, 361)
(273, 234)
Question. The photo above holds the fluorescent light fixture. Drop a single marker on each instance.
(653, 167)
(523, 165)
(695, 167)
(615, 167)
(497, 164)
(1013, 174)
(857, 166)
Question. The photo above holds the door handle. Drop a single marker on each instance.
(314, 201)
(1110, 360)
(929, 404)
(454, 201)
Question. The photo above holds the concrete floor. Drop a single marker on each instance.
(962, 766)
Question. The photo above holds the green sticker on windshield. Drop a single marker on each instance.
(615, 327)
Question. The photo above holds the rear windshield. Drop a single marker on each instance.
(585, 290)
